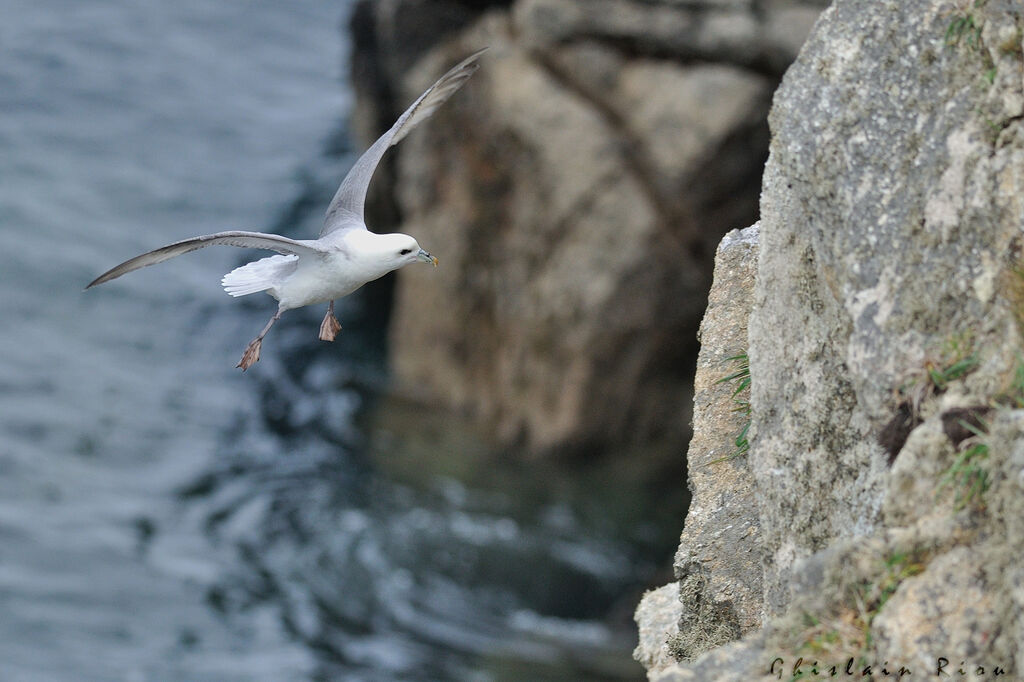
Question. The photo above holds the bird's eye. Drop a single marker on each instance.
(404, 251)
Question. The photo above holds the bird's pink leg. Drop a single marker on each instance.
(252, 353)
(329, 328)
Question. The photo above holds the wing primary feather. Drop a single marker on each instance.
(346, 208)
(247, 240)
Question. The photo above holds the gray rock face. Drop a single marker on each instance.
(718, 562)
(717, 596)
(954, 594)
(574, 192)
(886, 345)
(892, 210)
(657, 618)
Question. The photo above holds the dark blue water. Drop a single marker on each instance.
(165, 517)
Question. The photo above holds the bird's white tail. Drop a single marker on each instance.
(260, 275)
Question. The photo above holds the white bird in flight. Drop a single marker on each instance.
(343, 258)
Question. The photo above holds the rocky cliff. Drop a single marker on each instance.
(575, 192)
(886, 443)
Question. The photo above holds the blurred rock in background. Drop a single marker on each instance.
(575, 192)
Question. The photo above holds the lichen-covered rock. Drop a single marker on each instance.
(717, 596)
(736, 662)
(892, 214)
(949, 611)
(718, 564)
(657, 619)
(574, 192)
(966, 603)
(886, 354)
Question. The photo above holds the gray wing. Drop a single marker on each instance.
(246, 240)
(346, 209)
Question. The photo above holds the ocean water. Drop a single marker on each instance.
(164, 516)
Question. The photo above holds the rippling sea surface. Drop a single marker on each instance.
(164, 516)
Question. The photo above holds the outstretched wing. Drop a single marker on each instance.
(246, 240)
(347, 204)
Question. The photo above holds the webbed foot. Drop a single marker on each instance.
(330, 327)
(251, 355)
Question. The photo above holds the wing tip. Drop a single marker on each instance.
(110, 274)
(99, 280)
(476, 55)
(470, 63)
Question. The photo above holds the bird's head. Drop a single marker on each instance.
(404, 250)
(379, 254)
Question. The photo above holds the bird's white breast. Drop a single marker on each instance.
(329, 276)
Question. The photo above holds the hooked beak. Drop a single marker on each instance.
(426, 257)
